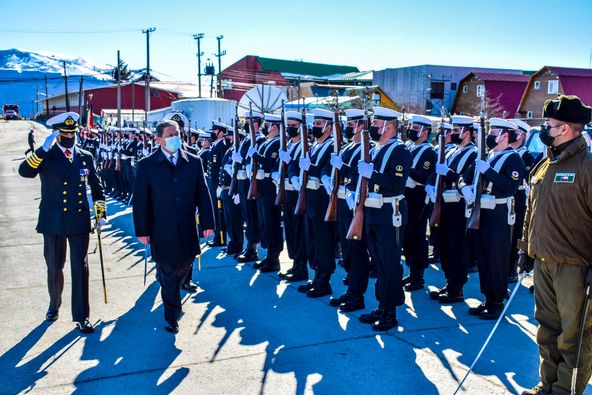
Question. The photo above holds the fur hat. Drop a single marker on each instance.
(567, 109)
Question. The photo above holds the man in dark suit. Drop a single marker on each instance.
(169, 187)
(65, 171)
(31, 141)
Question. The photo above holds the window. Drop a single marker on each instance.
(480, 90)
(453, 86)
(465, 89)
(437, 90)
(553, 87)
(529, 114)
(537, 85)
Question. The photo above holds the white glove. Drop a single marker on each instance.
(431, 192)
(482, 166)
(236, 157)
(350, 199)
(275, 176)
(527, 190)
(441, 169)
(296, 182)
(326, 180)
(248, 170)
(365, 169)
(469, 195)
(305, 163)
(228, 169)
(285, 157)
(236, 198)
(103, 221)
(49, 140)
(251, 151)
(336, 161)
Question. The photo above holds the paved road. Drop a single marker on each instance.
(243, 332)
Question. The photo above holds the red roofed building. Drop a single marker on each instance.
(550, 81)
(503, 93)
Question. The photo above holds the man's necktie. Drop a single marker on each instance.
(68, 155)
(172, 159)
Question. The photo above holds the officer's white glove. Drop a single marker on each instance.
(228, 169)
(49, 140)
(305, 163)
(527, 190)
(326, 180)
(103, 221)
(295, 182)
(236, 157)
(285, 156)
(248, 170)
(251, 151)
(441, 169)
(468, 194)
(431, 192)
(236, 198)
(336, 161)
(365, 169)
(482, 166)
(350, 199)
(275, 176)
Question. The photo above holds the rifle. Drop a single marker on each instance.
(356, 228)
(281, 192)
(331, 214)
(437, 210)
(475, 217)
(252, 194)
(234, 181)
(301, 203)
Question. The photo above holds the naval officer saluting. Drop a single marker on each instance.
(64, 214)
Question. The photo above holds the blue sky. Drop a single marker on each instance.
(370, 34)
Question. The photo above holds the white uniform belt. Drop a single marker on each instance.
(241, 175)
(313, 183)
(261, 174)
(288, 185)
(341, 192)
(125, 157)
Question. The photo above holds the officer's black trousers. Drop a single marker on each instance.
(416, 243)
(294, 229)
(54, 250)
(250, 215)
(320, 246)
(492, 250)
(220, 225)
(234, 224)
(354, 252)
(520, 210)
(386, 254)
(270, 218)
(171, 278)
(454, 254)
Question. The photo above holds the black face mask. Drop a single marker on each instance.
(412, 135)
(292, 131)
(455, 138)
(490, 141)
(348, 132)
(374, 134)
(247, 128)
(264, 130)
(199, 144)
(317, 131)
(67, 142)
(545, 137)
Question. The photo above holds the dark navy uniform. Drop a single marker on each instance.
(64, 216)
(232, 214)
(128, 153)
(217, 154)
(415, 242)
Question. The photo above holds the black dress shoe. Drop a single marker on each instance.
(335, 302)
(190, 286)
(270, 266)
(85, 326)
(233, 252)
(283, 275)
(451, 296)
(439, 291)
(51, 315)
(492, 312)
(171, 326)
(215, 243)
(387, 320)
(372, 273)
(354, 303)
(477, 310)
(415, 285)
(260, 263)
(345, 281)
(298, 275)
(304, 288)
(319, 290)
(406, 280)
(248, 256)
(372, 317)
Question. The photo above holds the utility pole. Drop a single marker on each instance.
(133, 103)
(46, 98)
(66, 87)
(198, 38)
(147, 75)
(80, 96)
(219, 56)
(118, 92)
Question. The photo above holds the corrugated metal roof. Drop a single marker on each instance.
(355, 76)
(570, 72)
(502, 77)
(303, 68)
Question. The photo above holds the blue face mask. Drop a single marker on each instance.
(173, 143)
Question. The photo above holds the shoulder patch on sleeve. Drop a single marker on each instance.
(515, 175)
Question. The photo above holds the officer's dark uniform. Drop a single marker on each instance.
(454, 252)
(128, 153)
(493, 238)
(64, 217)
(415, 242)
(269, 214)
(31, 142)
(232, 213)
(217, 154)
